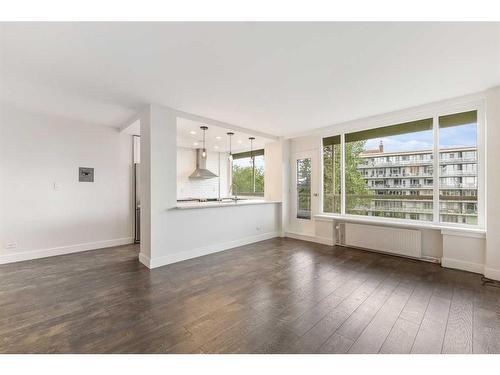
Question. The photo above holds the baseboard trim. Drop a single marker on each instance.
(144, 259)
(20, 256)
(462, 265)
(195, 253)
(492, 273)
(305, 237)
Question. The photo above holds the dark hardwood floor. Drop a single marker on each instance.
(275, 296)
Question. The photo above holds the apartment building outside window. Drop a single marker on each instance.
(399, 153)
(458, 168)
(391, 171)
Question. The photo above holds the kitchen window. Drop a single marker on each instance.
(248, 174)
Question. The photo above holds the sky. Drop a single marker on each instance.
(246, 162)
(456, 136)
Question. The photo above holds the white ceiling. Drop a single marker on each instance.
(216, 137)
(190, 135)
(279, 78)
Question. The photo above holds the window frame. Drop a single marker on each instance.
(251, 155)
(431, 111)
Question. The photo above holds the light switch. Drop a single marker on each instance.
(57, 186)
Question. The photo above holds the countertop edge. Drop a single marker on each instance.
(220, 205)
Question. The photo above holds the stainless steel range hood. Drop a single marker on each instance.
(201, 171)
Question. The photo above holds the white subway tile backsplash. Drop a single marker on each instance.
(209, 188)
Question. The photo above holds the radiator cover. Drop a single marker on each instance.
(400, 241)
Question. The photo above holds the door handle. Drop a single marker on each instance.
(315, 194)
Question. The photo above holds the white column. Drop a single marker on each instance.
(158, 178)
(492, 264)
(276, 176)
(273, 171)
(285, 187)
(145, 186)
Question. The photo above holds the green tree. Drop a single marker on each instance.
(243, 180)
(331, 178)
(356, 192)
(304, 188)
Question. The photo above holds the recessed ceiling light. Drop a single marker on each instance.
(192, 132)
(240, 141)
(195, 144)
(218, 137)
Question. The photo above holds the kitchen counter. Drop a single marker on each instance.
(196, 205)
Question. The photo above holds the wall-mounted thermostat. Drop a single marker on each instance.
(85, 174)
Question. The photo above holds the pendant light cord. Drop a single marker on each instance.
(204, 128)
(230, 134)
(253, 163)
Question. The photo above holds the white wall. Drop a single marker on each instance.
(273, 171)
(37, 151)
(277, 177)
(464, 252)
(198, 232)
(217, 163)
(173, 235)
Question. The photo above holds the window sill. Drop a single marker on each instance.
(445, 229)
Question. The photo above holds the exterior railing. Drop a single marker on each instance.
(457, 173)
(472, 159)
(399, 187)
(403, 209)
(375, 164)
(457, 211)
(394, 209)
(394, 163)
(398, 175)
(458, 186)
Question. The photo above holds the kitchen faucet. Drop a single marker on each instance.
(233, 191)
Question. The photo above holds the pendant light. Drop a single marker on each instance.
(251, 146)
(252, 160)
(230, 157)
(204, 150)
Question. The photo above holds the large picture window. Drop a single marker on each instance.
(390, 172)
(248, 173)
(458, 168)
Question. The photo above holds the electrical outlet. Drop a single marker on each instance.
(258, 228)
(11, 245)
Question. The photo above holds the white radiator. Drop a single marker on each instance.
(407, 242)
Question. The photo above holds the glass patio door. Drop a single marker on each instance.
(303, 186)
(304, 194)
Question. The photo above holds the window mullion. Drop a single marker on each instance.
(342, 174)
(480, 169)
(435, 168)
